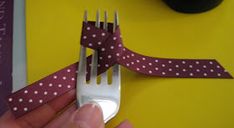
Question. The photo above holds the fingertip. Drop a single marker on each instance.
(125, 124)
(88, 116)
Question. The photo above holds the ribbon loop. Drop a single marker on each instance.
(111, 51)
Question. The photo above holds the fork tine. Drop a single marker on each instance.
(85, 16)
(116, 67)
(93, 76)
(81, 77)
(105, 27)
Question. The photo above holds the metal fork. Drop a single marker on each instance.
(104, 94)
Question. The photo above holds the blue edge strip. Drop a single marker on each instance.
(6, 35)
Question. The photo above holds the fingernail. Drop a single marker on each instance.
(89, 116)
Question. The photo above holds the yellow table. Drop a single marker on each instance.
(151, 28)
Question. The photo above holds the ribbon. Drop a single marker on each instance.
(111, 51)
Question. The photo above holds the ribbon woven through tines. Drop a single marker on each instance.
(111, 51)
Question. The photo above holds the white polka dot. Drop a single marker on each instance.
(150, 64)
(132, 63)
(138, 61)
(88, 28)
(156, 68)
(84, 37)
(163, 73)
(211, 62)
(219, 74)
(50, 85)
(211, 70)
(20, 100)
(55, 93)
(99, 43)
(94, 35)
(90, 44)
(100, 58)
(112, 47)
(205, 74)
(150, 72)
(64, 78)
(177, 66)
(68, 70)
(191, 74)
(132, 54)
(137, 69)
(128, 64)
(170, 69)
(204, 66)
(73, 79)
(35, 92)
(128, 56)
(25, 109)
(163, 65)
(143, 66)
(156, 61)
(106, 65)
(15, 109)
(184, 70)
(103, 34)
(68, 86)
(117, 54)
(25, 91)
(190, 66)
(40, 84)
(30, 100)
(10, 99)
(177, 74)
(169, 61)
(124, 57)
(120, 45)
(40, 101)
(114, 38)
(60, 85)
(99, 65)
(218, 66)
(183, 62)
(109, 56)
(55, 77)
(143, 58)
(197, 62)
(45, 93)
(103, 49)
(124, 49)
(198, 70)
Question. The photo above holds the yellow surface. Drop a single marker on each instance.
(151, 28)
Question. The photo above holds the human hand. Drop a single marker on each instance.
(46, 116)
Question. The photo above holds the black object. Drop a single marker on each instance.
(192, 6)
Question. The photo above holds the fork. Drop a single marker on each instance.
(107, 96)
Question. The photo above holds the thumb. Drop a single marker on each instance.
(88, 116)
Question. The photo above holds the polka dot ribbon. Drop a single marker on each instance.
(111, 51)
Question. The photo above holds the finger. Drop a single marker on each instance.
(7, 120)
(62, 119)
(42, 115)
(125, 124)
(88, 116)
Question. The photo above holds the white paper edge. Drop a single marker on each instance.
(19, 46)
